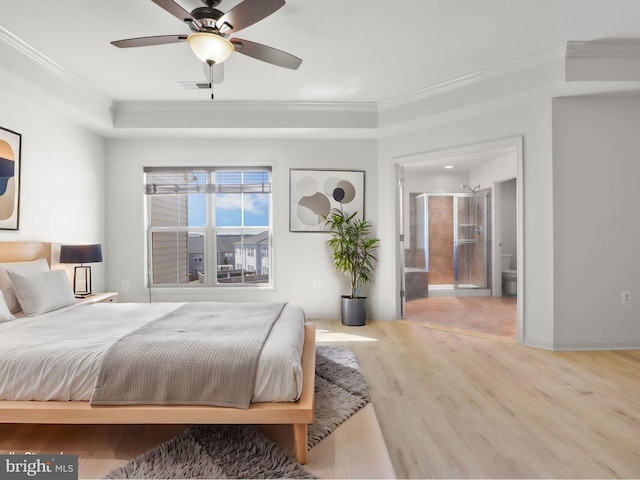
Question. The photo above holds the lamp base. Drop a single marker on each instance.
(83, 295)
(82, 281)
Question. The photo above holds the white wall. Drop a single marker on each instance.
(418, 181)
(299, 258)
(479, 126)
(508, 221)
(581, 198)
(62, 170)
(496, 170)
(596, 190)
(580, 207)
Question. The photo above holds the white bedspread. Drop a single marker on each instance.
(57, 356)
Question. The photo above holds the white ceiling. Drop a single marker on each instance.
(462, 161)
(352, 50)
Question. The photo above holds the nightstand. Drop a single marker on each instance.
(105, 297)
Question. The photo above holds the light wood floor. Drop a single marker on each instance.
(355, 450)
(459, 406)
(448, 406)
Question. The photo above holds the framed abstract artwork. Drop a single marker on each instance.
(313, 193)
(10, 147)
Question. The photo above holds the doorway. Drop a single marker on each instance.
(456, 239)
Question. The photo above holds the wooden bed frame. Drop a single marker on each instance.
(297, 414)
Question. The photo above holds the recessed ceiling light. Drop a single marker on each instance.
(448, 166)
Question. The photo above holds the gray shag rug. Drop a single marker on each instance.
(241, 451)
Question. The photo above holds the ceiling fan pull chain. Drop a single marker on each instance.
(211, 78)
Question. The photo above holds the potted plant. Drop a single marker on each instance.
(352, 246)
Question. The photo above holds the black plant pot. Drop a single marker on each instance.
(353, 311)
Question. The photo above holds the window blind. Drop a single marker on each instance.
(169, 181)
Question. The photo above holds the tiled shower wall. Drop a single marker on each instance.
(440, 240)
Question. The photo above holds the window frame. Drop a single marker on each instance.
(210, 230)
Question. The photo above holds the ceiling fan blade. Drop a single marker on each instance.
(247, 13)
(266, 54)
(147, 41)
(177, 11)
(214, 73)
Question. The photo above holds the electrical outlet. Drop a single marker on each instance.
(125, 284)
(626, 296)
(316, 282)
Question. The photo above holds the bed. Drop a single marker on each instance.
(297, 413)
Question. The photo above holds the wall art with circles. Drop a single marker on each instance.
(313, 193)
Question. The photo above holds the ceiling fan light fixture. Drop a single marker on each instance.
(210, 47)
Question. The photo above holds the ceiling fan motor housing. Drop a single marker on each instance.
(207, 16)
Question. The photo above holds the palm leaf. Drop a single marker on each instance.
(352, 247)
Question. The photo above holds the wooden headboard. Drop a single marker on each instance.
(24, 251)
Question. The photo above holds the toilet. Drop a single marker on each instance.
(509, 275)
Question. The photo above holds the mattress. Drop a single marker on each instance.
(57, 356)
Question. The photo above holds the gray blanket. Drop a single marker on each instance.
(201, 354)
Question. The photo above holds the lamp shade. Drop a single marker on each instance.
(81, 253)
(210, 47)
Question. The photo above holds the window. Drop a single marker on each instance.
(209, 226)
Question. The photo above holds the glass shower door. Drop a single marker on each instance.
(470, 253)
(416, 261)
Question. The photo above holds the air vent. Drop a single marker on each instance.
(195, 85)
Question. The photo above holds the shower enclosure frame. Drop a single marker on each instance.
(458, 243)
(479, 228)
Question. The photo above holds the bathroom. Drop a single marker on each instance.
(460, 223)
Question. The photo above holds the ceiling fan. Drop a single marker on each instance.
(210, 29)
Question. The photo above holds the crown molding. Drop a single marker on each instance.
(61, 84)
(248, 106)
(34, 54)
(610, 48)
(246, 114)
(609, 60)
(580, 61)
(541, 57)
(48, 63)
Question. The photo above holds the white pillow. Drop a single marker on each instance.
(42, 292)
(6, 285)
(5, 314)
